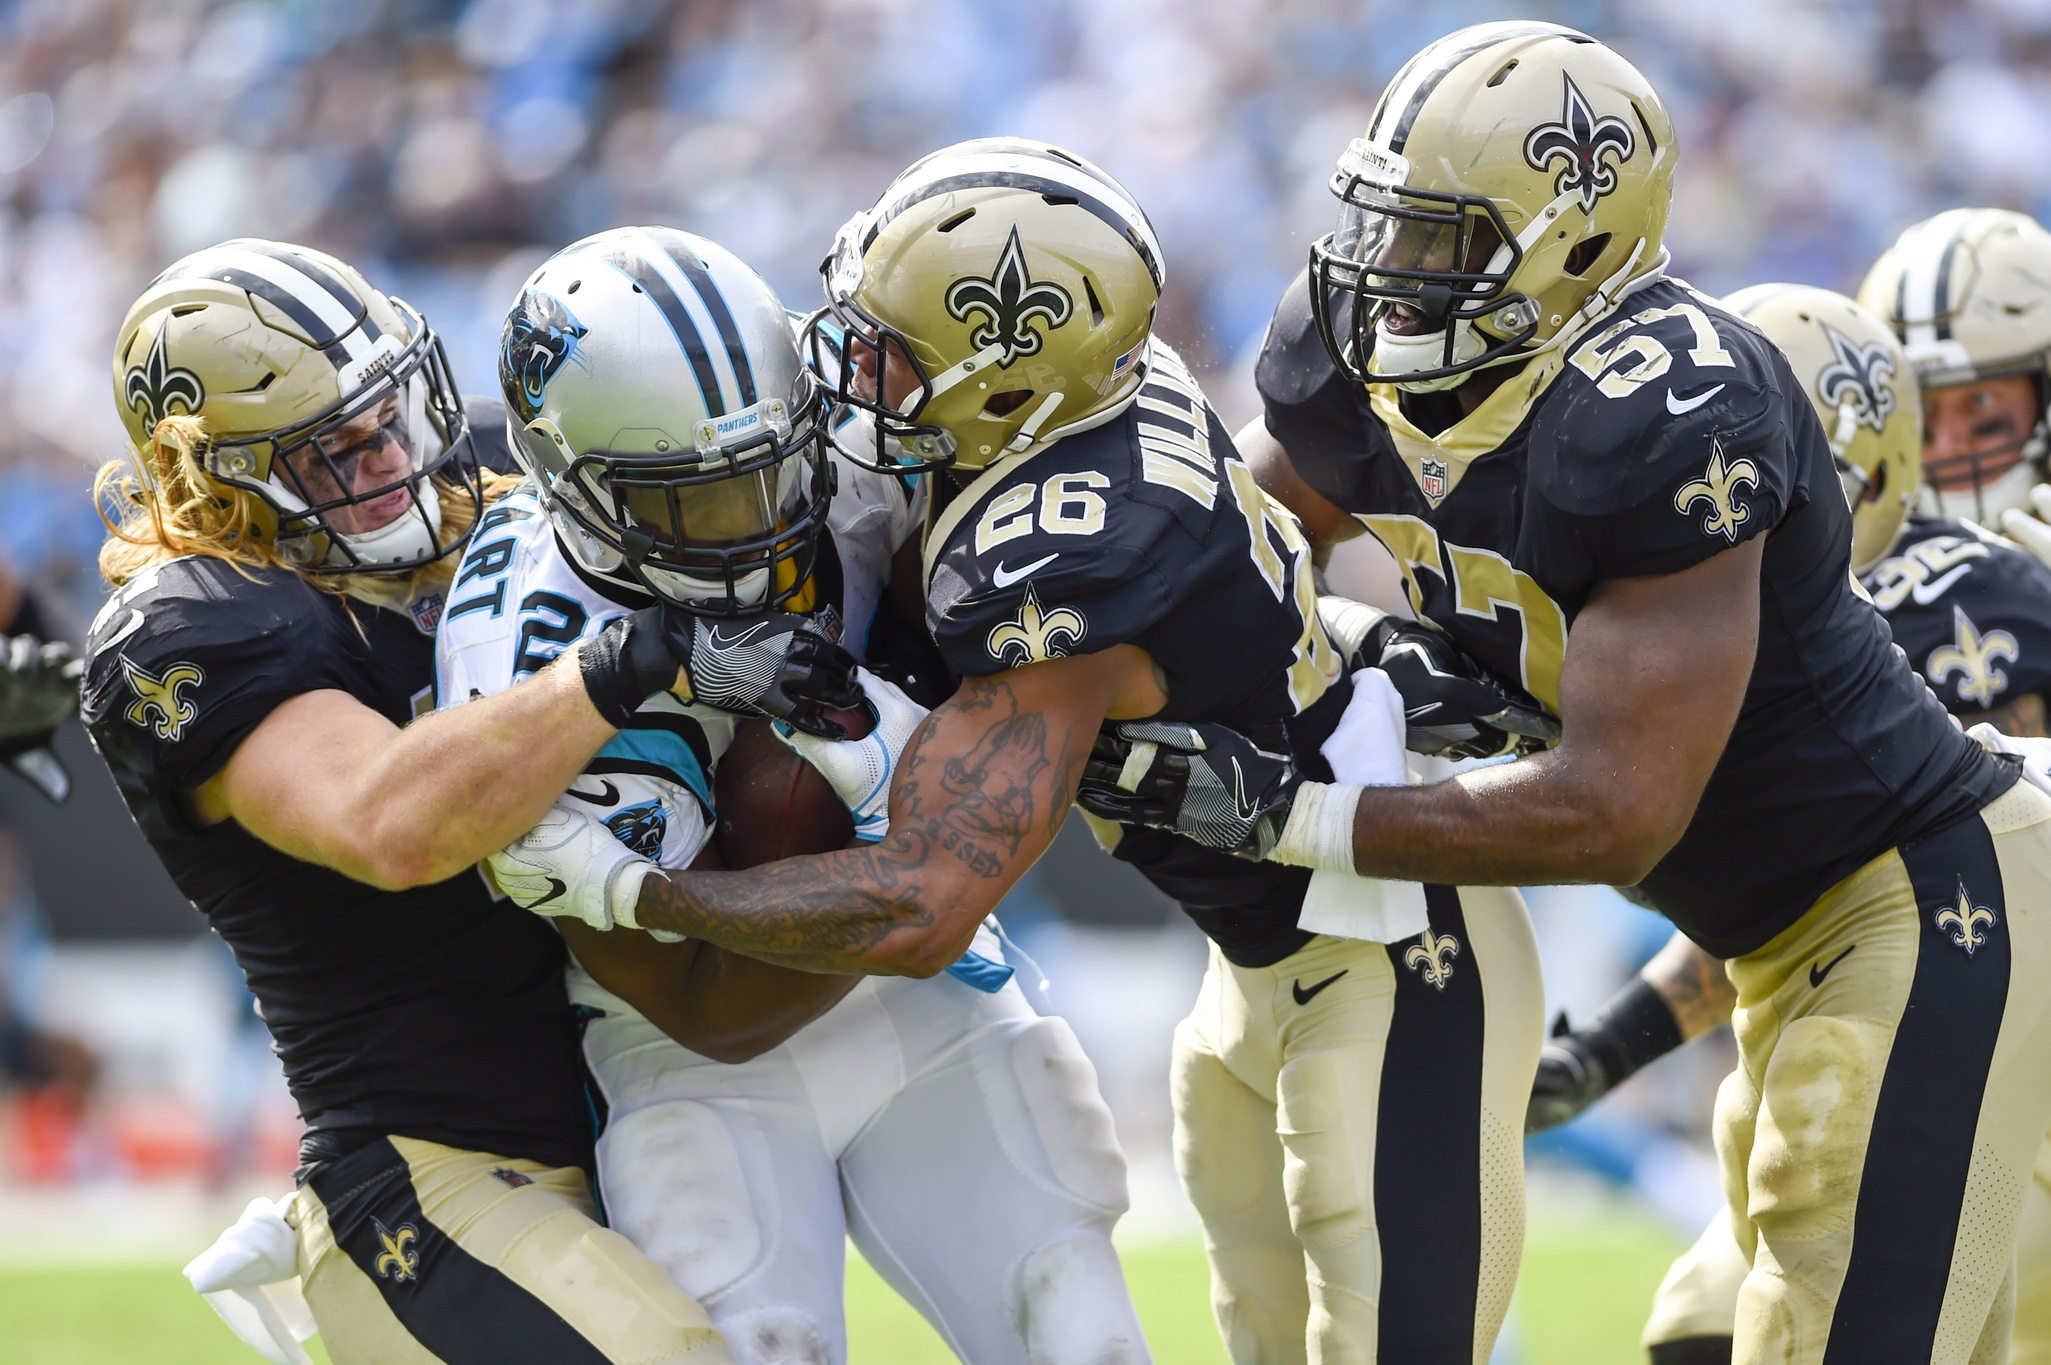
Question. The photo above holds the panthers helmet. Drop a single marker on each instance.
(1969, 294)
(1514, 180)
(1859, 380)
(275, 348)
(653, 385)
(1006, 287)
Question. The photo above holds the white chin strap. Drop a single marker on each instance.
(406, 537)
(1396, 354)
(1986, 503)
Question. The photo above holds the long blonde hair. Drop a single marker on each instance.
(160, 505)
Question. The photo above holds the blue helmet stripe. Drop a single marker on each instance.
(643, 273)
(722, 316)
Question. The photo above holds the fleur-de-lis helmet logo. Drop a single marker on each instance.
(153, 387)
(1432, 957)
(1585, 142)
(1719, 487)
(1037, 636)
(1860, 377)
(1966, 922)
(1007, 302)
(1972, 655)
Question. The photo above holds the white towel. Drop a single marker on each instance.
(1366, 750)
(250, 1276)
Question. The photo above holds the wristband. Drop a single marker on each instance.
(1634, 1028)
(625, 664)
(1319, 833)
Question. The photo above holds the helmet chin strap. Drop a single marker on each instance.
(413, 534)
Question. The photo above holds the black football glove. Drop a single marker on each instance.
(38, 690)
(1454, 709)
(1577, 1067)
(775, 665)
(1204, 782)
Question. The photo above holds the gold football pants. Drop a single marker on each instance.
(1879, 1135)
(1349, 1124)
(417, 1254)
(1698, 1299)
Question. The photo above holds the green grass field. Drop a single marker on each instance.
(1582, 1301)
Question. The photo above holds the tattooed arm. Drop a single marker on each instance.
(982, 791)
(1694, 986)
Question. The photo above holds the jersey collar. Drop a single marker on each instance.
(1479, 433)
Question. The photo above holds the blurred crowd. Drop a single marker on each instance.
(445, 146)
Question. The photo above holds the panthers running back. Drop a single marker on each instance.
(956, 1136)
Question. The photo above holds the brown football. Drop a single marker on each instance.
(772, 804)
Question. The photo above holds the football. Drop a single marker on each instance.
(771, 803)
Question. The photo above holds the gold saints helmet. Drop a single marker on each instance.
(1969, 294)
(276, 348)
(999, 295)
(1860, 382)
(1514, 180)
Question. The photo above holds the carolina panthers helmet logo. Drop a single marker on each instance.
(640, 827)
(153, 387)
(1972, 656)
(1432, 958)
(1036, 636)
(397, 1261)
(541, 334)
(1582, 140)
(1966, 922)
(1718, 487)
(1861, 378)
(158, 694)
(1007, 302)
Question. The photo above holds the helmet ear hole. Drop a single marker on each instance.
(1585, 254)
(1006, 403)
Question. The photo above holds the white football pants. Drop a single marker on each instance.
(956, 1136)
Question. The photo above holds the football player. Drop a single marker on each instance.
(304, 474)
(677, 451)
(1606, 490)
(1348, 1086)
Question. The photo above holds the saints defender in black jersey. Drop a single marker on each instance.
(1103, 554)
(306, 472)
(1609, 492)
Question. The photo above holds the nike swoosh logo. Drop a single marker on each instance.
(609, 795)
(1677, 406)
(1816, 974)
(555, 889)
(1304, 997)
(1004, 577)
(719, 640)
(1926, 593)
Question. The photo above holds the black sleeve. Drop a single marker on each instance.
(488, 438)
(1625, 485)
(1321, 417)
(190, 659)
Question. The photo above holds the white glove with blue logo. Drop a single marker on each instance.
(571, 865)
(861, 770)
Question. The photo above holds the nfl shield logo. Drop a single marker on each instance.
(1432, 475)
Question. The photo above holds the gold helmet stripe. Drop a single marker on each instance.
(1421, 75)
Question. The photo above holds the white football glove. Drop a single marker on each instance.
(2027, 531)
(571, 865)
(861, 770)
(2035, 752)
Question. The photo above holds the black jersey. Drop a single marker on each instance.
(1149, 530)
(435, 1012)
(1669, 433)
(1971, 610)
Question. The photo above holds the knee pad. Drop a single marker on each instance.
(1072, 1307)
(1809, 1142)
(1059, 1089)
(673, 1183)
(775, 1336)
(1325, 1113)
